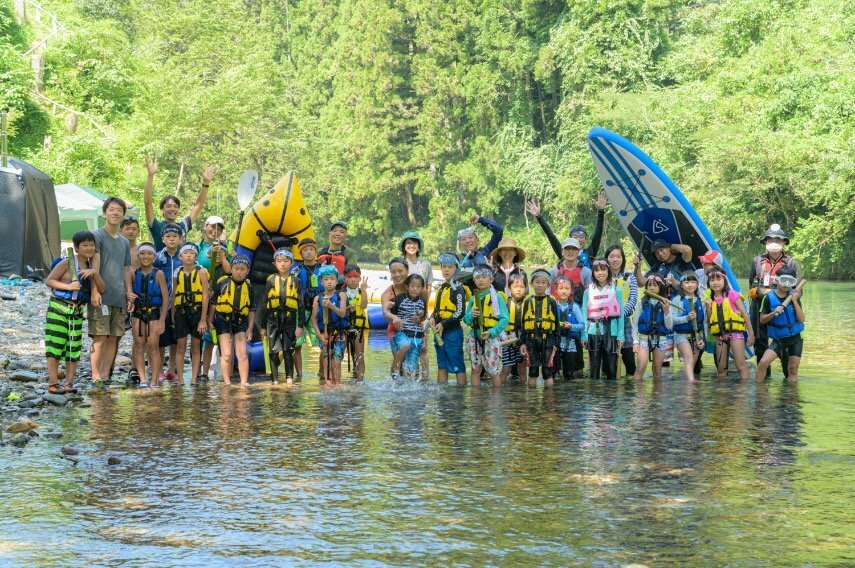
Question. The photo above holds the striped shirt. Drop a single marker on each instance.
(407, 308)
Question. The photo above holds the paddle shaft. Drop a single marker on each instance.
(789, 298)
(656, 296)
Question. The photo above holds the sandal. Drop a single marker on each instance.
(56, 389)
(69, 389)
(143, 385)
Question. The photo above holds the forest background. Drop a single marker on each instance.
(400, 114)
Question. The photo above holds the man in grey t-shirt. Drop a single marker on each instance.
(107, 311)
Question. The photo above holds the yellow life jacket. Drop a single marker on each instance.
(358, 318)
(188, 293)
(275, 293)
(444, 307)
(488, 316)
(538, 320)
(227, 303)
(724, 319)
(622, 284)
(515, 309)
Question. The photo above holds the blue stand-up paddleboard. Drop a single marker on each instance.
(647, 203)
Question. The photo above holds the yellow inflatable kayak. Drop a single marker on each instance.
(280, 212)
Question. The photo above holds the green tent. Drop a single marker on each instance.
(80, 209)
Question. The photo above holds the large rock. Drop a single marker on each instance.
(55, 399)
(31, 403)
(19, 440)
(122, 361)
(22, 426)
(24, 376)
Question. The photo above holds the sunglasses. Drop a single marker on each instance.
(716, 276)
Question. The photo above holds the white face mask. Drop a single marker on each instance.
(774, 248)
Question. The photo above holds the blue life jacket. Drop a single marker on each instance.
(336, 321)
(471, 261)
(699, 310)
(783, 325)
(309, 281)
(565, 314)
(149, 294)
(652, 318)
(79, 296)
(584, 259)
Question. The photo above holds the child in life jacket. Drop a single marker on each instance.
(410, 308)
(329, 318)
(781, 312)
(189, 304)
(603, 334)
(487, 315)
(512, 359)
(539, 339)
(232, 313)
(449, 307)
(357, 318)
(281, 315)
(729, 323)
(688, 323)
(148, 316)
(71, 280)
(570, 326)
(307, 272)
(651, 328)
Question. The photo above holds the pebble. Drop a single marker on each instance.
(70, 450)
(52, 435)
(33, 412)
(31, 403)
(19, 440)
(113, 460)
(55, 399)
(122, 361)
(24, 376)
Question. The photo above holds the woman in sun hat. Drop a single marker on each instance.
(506, 262)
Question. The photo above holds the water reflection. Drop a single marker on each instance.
(588, 472)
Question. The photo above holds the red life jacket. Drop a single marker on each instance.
(572, 274)
(770, 270)
(335, 259)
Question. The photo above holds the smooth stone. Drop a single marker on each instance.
(113, 460)
(32, 403)
(33, 412)
(70, 450)
(19, 440)
(55, 399)
(83, 422)
(24, 376)
(37, 366)
(52, 435)
(29, 396)
(22, 426)
(122, 361)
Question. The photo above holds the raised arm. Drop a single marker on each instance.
(533, 207)
(151, 166)
(600, 203)
(207, 176)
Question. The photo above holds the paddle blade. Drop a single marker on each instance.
(246, 188)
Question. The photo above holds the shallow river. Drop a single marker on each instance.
(590, 473)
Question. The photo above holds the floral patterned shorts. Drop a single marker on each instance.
(487, 353)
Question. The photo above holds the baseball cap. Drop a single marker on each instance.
(215, 220)
(570, 242)
(659, 244)
(338, 224)
(712, 257)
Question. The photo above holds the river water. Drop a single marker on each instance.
(588, 473)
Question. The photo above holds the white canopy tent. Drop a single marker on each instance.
(80, 208)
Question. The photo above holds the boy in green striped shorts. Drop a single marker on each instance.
(71, 280)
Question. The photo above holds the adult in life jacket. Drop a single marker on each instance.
(473, 254)
(577, 232)
(570, 268)
(337, 253)
(785, 325)
(232, 313)
(763, 276)
(728, 323)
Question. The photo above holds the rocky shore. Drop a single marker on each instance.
(27, 409)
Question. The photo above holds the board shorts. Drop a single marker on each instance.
(338, 344)
(167, 338)
(63, 330)
(113, 324)
(788, 346)
(308, 335)
(511, 355)
(665, 343)
(450, 355)
(225, 326)
(488, 354)
(411, 359)
(680, 338)
(187, 323)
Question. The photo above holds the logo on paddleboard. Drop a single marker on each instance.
(659, 227)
